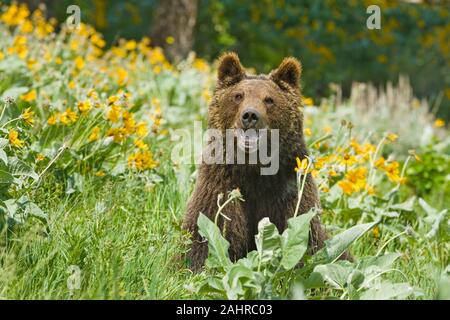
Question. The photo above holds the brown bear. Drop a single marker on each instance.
(243, 101)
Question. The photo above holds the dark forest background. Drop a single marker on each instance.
(330, 37)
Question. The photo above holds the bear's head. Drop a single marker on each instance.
(242, 102)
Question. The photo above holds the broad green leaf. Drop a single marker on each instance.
(5, 177)
(267, 241)
(14, 92)
(434, 218)
(443, 292)
(3, 142)
(337, 245)
(19, 168)
(3, 156)
(217, 245)
(33, 210)
(380, 263)
(237, 280)
(294, 240)
(335, 274)
(387, 291)
(427, 208)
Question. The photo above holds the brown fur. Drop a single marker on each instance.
(273, 196)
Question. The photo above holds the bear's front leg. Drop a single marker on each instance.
(204, 200)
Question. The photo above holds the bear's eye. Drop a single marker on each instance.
(268, 101)
(238, 97)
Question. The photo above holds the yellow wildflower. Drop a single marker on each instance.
(68, 117)
(141, 160)
(348, 159)
(380, 163)
(393, 171)
(128, 122)
(100, 173)
(130, 45)
(370, 190)
(141, 129)
(308, 101)
(122, 76)
(30, 96)
(94, 134)
(327, 129)
(392, 137)
(357, 177)
(52, 119)
(79, 63)
(439, 123)
(40, 157)
(346, 186)
(200, 65)
(302, 165)
(114, 113)
(26, 27)
(376, 232)
(308, 132)
(140, 144)
(92, 94)
(14, 139)
(332, 173)
(84, 106)
(170, 40)
(112, 99)
(118, 134)
(72, 84)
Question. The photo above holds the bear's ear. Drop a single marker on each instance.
(288, 72)
(230, 69)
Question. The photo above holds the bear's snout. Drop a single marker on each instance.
(250, 118)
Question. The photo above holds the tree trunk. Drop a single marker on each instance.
(174, 20)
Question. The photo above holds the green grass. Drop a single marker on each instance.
(125, 237)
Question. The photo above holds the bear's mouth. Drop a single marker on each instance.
(247, 140)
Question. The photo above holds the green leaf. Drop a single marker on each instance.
(267, 241)
(217, 245)
(3, 143)
(408, 205)
(5, 177)
(19, 168)
(387, 290)
(337, 245)
(14, 92)
(335, 274)
(32, 209)
(238, 280)
(3, 157)
(294, 240)
(380, 263)
(434, 218)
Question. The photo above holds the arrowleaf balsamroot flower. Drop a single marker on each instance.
(141, 160)
(439, 123)
(30, 96)
(14, 139)
(302, 165)
(94, 134)
(27, 116)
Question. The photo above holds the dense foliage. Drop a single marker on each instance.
(87, 182)
(329, 36)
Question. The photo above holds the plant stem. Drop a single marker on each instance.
(387, 242)
(300, 194)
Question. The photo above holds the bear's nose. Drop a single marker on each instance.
(250, 118)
